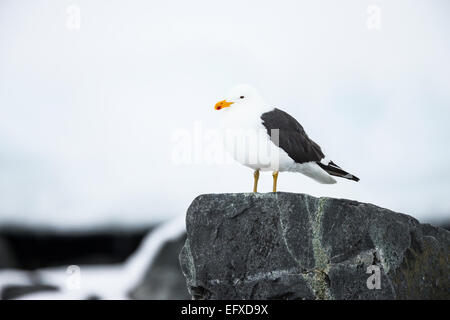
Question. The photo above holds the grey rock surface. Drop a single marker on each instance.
(164, 280)
(295, 246)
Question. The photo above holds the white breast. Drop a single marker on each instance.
(246, 139)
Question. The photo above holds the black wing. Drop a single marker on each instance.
(292, 137)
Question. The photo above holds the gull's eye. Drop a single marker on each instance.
(242, 97)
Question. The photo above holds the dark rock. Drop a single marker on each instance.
(15, 291)
(7, 258)
(51, 249)
(294, 246)
(163, 279)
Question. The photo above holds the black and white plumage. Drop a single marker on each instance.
(294, 140)
(265, 138)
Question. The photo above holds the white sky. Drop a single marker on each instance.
(88, 116)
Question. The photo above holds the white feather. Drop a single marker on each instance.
(246, 138)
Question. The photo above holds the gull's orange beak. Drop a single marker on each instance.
(222, 104)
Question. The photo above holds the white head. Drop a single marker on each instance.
(241, 96)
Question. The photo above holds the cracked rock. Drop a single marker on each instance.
(295, 246)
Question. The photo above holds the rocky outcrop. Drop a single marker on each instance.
(295, 246)
(152, 271)
(163, 279)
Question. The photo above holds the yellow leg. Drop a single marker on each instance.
(275, 179)
(255, 182)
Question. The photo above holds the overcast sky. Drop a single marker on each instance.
(92, 109)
